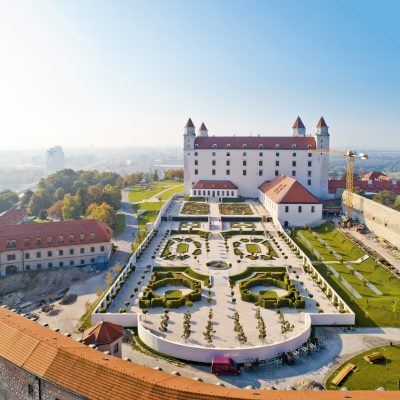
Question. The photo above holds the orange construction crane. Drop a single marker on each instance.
(350, 157)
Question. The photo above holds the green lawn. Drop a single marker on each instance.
(119, 224)
(173, 294)
(168, 193)
(371, 309)
(144, 192)
(182, 248)
(268, 294)
(253, 248)
(372, 376)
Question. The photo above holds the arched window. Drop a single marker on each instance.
(245, 146)
(277, 146)
(293, 146)
(261, 146)
(214, 146)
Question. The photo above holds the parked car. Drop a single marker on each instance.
(224, 366)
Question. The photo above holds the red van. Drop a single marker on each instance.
(224, 366)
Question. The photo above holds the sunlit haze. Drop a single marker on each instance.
(130, 73)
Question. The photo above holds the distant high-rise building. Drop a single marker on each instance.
(54, 159)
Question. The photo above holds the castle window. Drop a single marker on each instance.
(30, 390)
(196, 153)
(293, 173)
(309, 146)
(309, 182)
(244, 163)
(213, 162)
(228, 154)
(228, 146)
(260, 153)
(49, 239)
(228, 172)
(309, 173)
(276, 172)
(309, 154)
(93, 236)
(244, 172)
(286, 209)
(276, 163)
(293, 146)
(38, 242)
(312, 209)
(213, 172)
(71, 238)
(309, 163)
(294, 154)
(245, 146)
(260, 163)
(27, 242)
(260, 172)
(196, 171)
(49, 254)
(214, 146)
(293, 163)
(61, 239)
(196, 162)
(213, 153)
(228, 162)
(244, 154)
(277, 154)
(260, 146)
(277, 146)
(196, 146)
(300, 209)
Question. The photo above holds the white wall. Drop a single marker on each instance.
(205, 354)
(248, 184)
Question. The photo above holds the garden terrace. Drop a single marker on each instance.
(146, 191)
(235, 209)
(189, 225)
(270, 299)
(243, 225)
(186, 270)
(253, 248)
(252, 270)
(366, 286)
(172, 298)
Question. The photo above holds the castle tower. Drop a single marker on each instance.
(322, 142)
(203, 131)
(298, 128)
(189, 137)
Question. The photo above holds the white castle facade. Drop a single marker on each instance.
(230, 166)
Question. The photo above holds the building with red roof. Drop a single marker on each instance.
(13, 216)
(33, 246)
(248, 161)
(289, 202)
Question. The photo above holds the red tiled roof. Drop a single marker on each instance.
(214, 185)
(189, 124)
(14, 216)
(45, 230)
(94, 375)
(103, 333)
(203, 127)
(322, 123)
(381, 182)
(284, 189)
(255, 142)
(298, 123)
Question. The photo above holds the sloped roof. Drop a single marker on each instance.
(285, 190)
(214, 185)
(298, 124)
(93, 375)
(103, 333)
(322, 123)
(189, 123)
(203, 127)
(255, 142)
(14, 216)
(373, 175)
(45, 230)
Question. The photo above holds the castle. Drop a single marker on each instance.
(294, 168)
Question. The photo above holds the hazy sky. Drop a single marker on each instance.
(114, 73)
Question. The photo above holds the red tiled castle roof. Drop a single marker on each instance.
(215, 185)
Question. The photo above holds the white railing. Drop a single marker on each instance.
(132, 260)
(347, 318)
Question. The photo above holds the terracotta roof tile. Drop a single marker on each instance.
(255, 142)
(94, 375)
(298, 124)
(189, 123)
(284, 189)
(103, 333)
(203, 127)
(43, 231)
(322, 123)
(14, 216)
(214, 185)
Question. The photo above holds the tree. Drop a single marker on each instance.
(55, 211)
(154, 175)
(26, 198)
(41, 200)
(133, 179)
(99, 292)
(7, 199)
(94, 193)
(385, 197)
(112, 196)
(102, 212)
(71, 208)
(174, 174)
(59, 193)
(117, 267)
(109, 278)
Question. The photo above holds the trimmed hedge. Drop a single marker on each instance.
(250, 270)
(277, 279)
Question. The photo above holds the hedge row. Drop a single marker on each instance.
(250, 270)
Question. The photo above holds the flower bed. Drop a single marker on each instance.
(235, 209)
(195, 208)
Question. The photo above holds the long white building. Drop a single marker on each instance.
(231, 166)
(249, 161)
